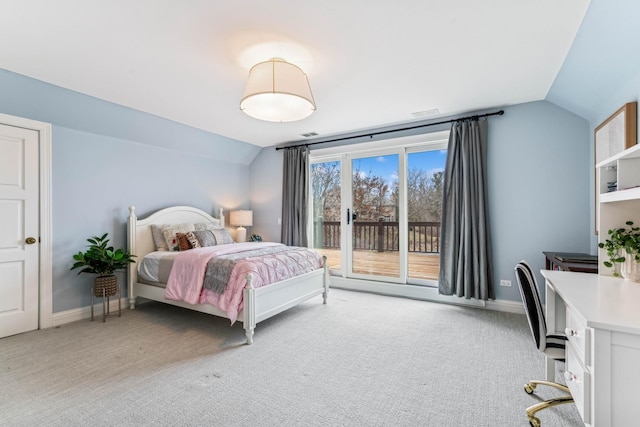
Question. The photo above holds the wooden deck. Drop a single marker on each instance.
(421, 266)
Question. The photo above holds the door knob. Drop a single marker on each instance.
(30, 240)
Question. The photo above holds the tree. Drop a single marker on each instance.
(325, 189)
(373, 196)
(434, 200)
(424, 195)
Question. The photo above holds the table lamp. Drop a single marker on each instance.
(241, 219)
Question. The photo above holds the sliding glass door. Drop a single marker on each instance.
(372, 217)
(326, 199)
(375, 213)
(425, 173)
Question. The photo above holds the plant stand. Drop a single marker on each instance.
(104, 288)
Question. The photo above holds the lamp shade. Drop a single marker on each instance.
(241, 218)
(277, 91)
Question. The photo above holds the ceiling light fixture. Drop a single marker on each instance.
(277, 91)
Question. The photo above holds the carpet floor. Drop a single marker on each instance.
(360, 360)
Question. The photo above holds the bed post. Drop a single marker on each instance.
(325, 279)
(249, 309)
(221, 217)
(131, 245)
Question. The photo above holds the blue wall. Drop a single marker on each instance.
(602, 69)
(538, 172)
(107, 157)
(601, 73)
(540, 175)
(539, 187)
(266, 194)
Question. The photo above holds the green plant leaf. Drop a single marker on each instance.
(100, 258)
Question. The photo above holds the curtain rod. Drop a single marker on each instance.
(371, 135)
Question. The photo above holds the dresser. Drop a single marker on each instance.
(601, 317)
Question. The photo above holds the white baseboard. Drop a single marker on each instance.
(407, 291)
(506, 306)
(62, 317)
(425, 293)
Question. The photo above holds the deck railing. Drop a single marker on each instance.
(381, 236)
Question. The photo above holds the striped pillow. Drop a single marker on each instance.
(193, 240)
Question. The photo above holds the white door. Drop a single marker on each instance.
(19, 224)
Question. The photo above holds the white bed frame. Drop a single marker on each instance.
(259, 303)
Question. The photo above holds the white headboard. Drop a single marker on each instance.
(139, 237)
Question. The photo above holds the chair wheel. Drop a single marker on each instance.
(529, 388)
(534, 422)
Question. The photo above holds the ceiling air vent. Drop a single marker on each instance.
(309, 134)
(425, 113)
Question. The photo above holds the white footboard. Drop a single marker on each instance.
(267, 301)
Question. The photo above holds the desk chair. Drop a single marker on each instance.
(552, 346)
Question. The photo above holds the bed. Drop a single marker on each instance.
(257, 303)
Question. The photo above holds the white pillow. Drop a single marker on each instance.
(158, 237)
(169, 231)
(202, 226)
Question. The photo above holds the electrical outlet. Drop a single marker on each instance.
(506, 283)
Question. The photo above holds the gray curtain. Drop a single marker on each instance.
(294, 196)
(466, 263)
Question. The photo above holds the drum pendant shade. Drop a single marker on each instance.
(277, 91)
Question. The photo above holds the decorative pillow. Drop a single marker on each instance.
(222, 236)
(183, 242)
(200, 226)
(205, 237)
(193, 240)
(158, 238)
(170, 230)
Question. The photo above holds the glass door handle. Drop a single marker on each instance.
(350, 216)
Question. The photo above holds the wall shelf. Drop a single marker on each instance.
(621, 195)
(615, 208)
(632, 152)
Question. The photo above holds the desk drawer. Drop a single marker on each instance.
(580, 336)
(578, 380)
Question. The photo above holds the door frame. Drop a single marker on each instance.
(347, 198)
(45, 255)
(345, 153)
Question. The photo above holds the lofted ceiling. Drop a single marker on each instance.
(369, 63)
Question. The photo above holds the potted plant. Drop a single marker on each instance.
(103, 260)
(623, 249)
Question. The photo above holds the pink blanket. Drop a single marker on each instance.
(188, 271)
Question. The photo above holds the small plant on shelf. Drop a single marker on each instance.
(622, 242)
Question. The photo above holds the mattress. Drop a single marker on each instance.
(156, 266)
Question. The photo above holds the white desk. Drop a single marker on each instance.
(601, 316)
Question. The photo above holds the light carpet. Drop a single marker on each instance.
(360, 360)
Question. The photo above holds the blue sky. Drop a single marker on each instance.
(387, 166)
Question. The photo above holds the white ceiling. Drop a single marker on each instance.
(370, 63)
